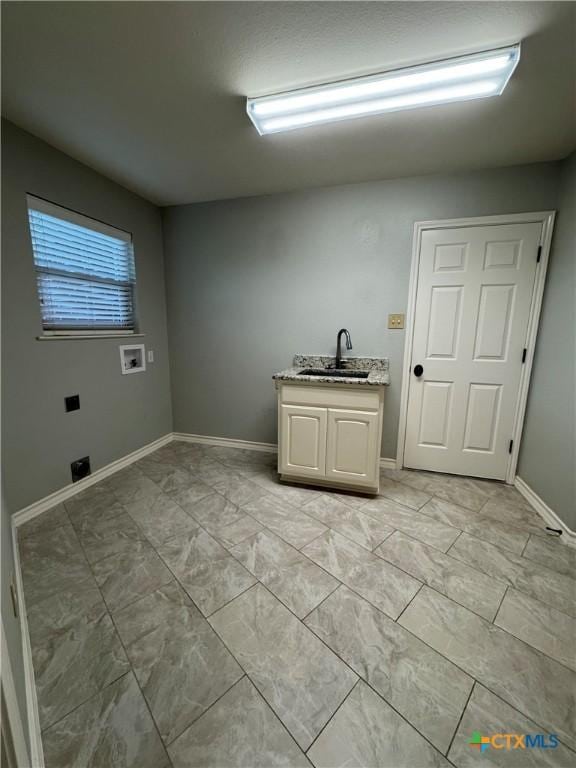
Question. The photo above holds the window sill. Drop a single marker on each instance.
(83, 337)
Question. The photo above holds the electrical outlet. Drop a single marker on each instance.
(72, 403)
(396, 321)
(80, 469)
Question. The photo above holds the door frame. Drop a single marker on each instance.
(546, 219)
(14, 716)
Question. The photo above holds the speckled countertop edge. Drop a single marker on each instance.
(378, 367)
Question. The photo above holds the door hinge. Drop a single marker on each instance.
(510, 446)
(539, 253)
(524, 351)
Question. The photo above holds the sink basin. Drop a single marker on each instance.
(335, 372)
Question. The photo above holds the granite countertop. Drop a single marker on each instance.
(378, 367)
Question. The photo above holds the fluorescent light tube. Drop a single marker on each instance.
(466, 77)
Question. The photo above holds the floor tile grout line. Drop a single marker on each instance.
(528, 562)
(107, 612)
(370, 685)
(478, 513)
(456, 560)
(287, 543)
(542, 565)
(256, 581)
(132, 670)
(347, 536)
(128, 671)
(333, 715)
(316, 607)
(474, 683)
(427, 518)
(481, 682)
(261, 581)
(361, 510)
(533, 648)
(397, 619)
(181, 584)
(247, 674)
(425, 584)
(300, 507)
(227, 550)
(473, 568)
(479, 518)
(277, 717)
(175, 577)
(154, 546)
(213, 704)
(82, 703)
(493, 620)
(515, 708)
(204, 617)
(550, 573)
(296, 507)
(392, 532)
(144, 699)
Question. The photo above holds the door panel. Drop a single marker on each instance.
(493, 328)
(352, 451)
(473, 302)
(482, 417)
(435, 414)
(450, 257)
(444, 321)
(303, 446)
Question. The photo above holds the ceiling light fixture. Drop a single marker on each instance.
(467, 77)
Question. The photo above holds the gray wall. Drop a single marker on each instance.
(548, 454)
(250, 282)
(118, 413)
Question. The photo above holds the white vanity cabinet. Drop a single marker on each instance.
(330, 434)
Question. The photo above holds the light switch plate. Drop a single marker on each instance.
(396, 321)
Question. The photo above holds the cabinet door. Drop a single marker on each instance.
(352, 447)
(303, 440)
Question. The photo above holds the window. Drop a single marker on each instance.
(84, 270)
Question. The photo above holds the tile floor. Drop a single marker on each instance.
(192, 611)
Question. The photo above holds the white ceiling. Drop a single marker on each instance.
(152, 93)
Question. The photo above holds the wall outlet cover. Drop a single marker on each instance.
(72, 403)
(396, 321)
(80, 468)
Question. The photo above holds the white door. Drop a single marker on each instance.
(303, 441)
(474, 292)
(352, 451)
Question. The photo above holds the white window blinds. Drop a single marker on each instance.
(84, 270)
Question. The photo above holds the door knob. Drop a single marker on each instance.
(418, 370)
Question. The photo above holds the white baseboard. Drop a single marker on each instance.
(226, 442)
(546, 513)
(32, 711)
(32, 510)
(229, 442)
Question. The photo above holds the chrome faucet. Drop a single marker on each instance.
(339, 346)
